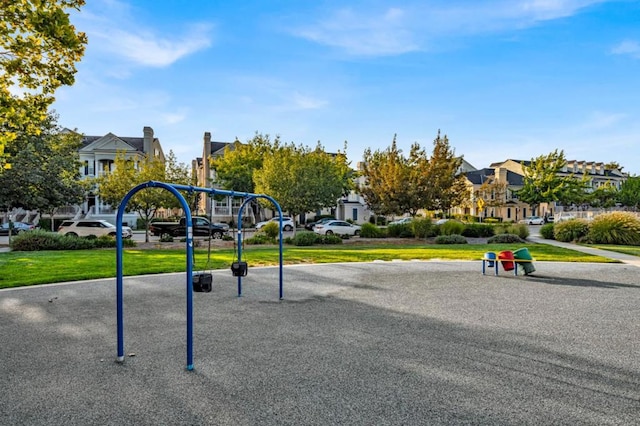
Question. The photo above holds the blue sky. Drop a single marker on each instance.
(501, 78)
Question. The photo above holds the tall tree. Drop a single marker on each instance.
(303, 180)
(543, 182)
(39, 48)
(629, 194)
(46, 168)
(235, 169)
(447, 184)
(604, 196)
(386, 175)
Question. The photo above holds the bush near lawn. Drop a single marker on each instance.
(546, 231)
(369, 230)
(571, 230)
(304, 238)
(38, 240)
(478, 230)
(621, 228)
(400, 230)
(451, 239)
(451, 227)
(519, 229)
(424, 228)
(505, 239)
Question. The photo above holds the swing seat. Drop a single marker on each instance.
(239, 269)
(202, 282)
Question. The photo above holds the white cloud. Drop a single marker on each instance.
(420, 24)
(381, 33)
(602, 120)
(307, 102)
(148, 49)
(627, 47)
(113, 27)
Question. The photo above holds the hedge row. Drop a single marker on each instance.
(43, 240)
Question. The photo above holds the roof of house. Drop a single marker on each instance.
(478, 177)
(137, 143)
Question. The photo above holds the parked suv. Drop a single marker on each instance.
(86, 227)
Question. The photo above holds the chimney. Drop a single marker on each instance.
(147, 145)
(206, 156)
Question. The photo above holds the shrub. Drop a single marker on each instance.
(478, 230)
(505, 238)
(304, 238)
(451, 239)
(271, 230)
(451, 227)
(570, 230)
(519, 229)
(400, 230)
(369, 230)
(547, 231)
(166, 238)
(615, 228)
(43, 240)
(329, 239)
(424, 228)
(260, 239)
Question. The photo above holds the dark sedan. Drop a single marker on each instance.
(16, 228)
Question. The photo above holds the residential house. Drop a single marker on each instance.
(498, 184)
(97, 156)
(220, 209)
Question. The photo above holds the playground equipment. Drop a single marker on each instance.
(174, 189)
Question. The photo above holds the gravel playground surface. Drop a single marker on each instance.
(382, 343)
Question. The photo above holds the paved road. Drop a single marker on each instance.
(384, 343)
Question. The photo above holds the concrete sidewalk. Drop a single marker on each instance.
(384, 343)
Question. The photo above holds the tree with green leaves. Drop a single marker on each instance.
(604, 196)
(543, 182)
(386, 176)
(39, 48)
(302, 179)
(448, 186)
(235, 169)
(127, 173)
(629, 194)
(45, 173)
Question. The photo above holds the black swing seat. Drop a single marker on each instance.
(202, 282)
(239, 269)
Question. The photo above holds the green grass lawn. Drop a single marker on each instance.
(29, 268)
(632, 250)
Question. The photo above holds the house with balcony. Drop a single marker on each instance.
(223, 208)
(497, 186)
(97, 156)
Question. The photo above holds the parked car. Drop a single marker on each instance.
(201, 228)
(16, 228)
(287, 223)
(86, 227)
(337, 227)
(311, 225)
(533, 220)
(402, 221)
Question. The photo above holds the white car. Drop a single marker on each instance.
(533, 220)
(404, 220)
(337, 227)
(287, 223)
(86, 227)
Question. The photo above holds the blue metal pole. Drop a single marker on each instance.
(189, 290)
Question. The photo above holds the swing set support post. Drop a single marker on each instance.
(248, 199)
(174, 189)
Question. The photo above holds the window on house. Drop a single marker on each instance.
(509, 213)
(354, 214)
